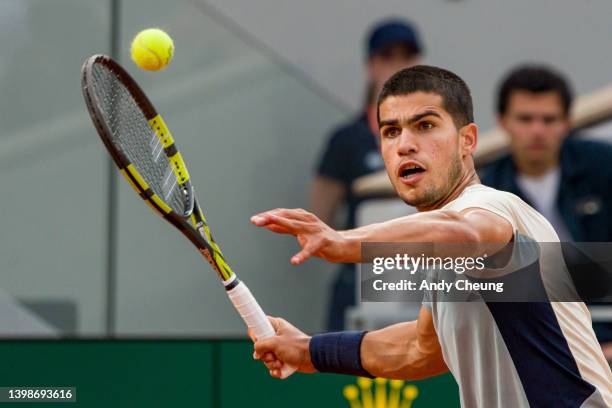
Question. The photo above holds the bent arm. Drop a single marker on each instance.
(471, 226)
(407, 351)
(404, 351)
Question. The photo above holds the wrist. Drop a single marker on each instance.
(306, 358)
(338, 353)
(351, 243)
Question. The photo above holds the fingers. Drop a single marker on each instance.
(265, 349)
(264, 346)
(261, 352)
(291, 225)
(276, 323)
(296, 214)
(274, 224)
(251, 335)
(267, 358)
(277, 351)
(301, 256)
(308, 229)
(276, 373)
(289, 219)
(310, 248)
(261, 220)
(270, 361)
(272, 364)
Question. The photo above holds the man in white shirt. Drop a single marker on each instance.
(502, 354)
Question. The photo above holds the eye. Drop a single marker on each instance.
(425, 125)
(391, 132)
(525, 118)
(549, 119)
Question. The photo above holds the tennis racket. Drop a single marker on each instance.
(139, 142)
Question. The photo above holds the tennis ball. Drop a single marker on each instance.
(152, 49)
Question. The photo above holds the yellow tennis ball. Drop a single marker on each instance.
(152, 49)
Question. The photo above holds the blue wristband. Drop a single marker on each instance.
(338, 353)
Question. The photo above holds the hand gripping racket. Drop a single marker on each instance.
(144, 150)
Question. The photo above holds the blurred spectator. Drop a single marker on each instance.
(568, 180)
(352, 149)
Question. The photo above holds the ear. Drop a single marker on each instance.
(468, 139)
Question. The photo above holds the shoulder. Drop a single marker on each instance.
(593, 148)
(501, 203)
(586, 152)
(480, 194)
(588, 157)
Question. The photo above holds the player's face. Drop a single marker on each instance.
(420, 147)
(536, 125)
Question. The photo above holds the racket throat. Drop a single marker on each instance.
(212, 254)
(231, 283)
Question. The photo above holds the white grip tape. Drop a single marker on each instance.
(254, 317)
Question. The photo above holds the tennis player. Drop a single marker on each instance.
(538, 354)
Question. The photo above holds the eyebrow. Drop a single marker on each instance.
(411, 120)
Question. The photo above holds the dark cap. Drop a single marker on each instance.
(391, 32)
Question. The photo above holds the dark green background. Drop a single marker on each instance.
(178, 373)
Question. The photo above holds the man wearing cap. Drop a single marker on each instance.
(352, 149)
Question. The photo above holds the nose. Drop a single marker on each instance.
(537, 127)
(407, 144)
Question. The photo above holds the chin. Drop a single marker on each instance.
(418, 198)
(410, 198)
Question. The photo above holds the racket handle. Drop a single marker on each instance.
(254, 317)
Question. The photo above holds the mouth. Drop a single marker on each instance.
(537, 146)
(410, 172)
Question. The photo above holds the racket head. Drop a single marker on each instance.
(136, 137)
(144, 150)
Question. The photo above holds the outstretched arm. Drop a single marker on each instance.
(471, 226)
(404, 351)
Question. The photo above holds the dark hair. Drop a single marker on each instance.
(456, 97)
(535, 79)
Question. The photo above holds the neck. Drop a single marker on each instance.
(468, 178)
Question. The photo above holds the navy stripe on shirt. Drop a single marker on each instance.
(542, 357)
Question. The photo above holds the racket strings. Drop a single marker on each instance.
(133, 135)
